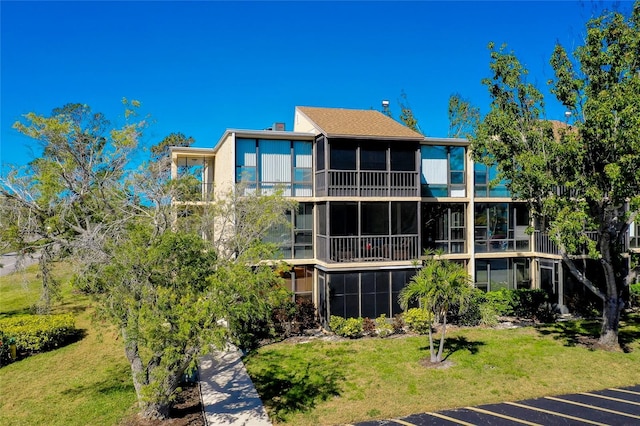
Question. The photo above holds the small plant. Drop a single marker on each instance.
(418, 320)
(383, 327)
(368, 326)
(398, 324)
(350, 327)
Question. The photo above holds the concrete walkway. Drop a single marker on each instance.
(228, 394)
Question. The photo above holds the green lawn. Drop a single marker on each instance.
(87, 382)
(327, 383)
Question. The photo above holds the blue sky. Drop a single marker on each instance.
(202, 67)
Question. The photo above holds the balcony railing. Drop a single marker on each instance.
(194, 192)
(368, 248)
(544, 244)
(367, 183)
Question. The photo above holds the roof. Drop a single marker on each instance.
(337, 122)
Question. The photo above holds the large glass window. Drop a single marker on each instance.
(299, 280)
(444, 227)
(443, 171)
(486, 183)
(269, 164)
(501, 227)
(294, 238)
(496, 274)
(366, 294)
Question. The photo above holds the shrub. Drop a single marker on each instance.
(351, 327)
(398, 324)
(5, 351)
(503, 301)
(36, 333)
(418, 320)
(471, 316)
(368, 326)
(383, 328)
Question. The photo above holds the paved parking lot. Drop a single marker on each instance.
(606, 407)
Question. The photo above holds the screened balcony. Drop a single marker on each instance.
(371, 168)
(368, 248)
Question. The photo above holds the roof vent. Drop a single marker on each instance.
(278, 127)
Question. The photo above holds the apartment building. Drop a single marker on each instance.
(372, 196)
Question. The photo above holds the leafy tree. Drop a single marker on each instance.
(68, 199)
(438, 286)
(406, 114)
(463, 117)
(581, 179)
(170, 292)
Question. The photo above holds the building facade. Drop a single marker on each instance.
(372, 196)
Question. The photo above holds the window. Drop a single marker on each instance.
(496, 274)
(501, 227)
(373, 157)
(444, 227)
(300, 282)
(342, 155)
(634, 235)
(267, 164)
(443, 171)
(295, 238)
(366, 294)
(486, 183)
(403, 159)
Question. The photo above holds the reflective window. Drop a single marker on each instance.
(496, 274)
(486, 183)
(444, 227)
(443, 171)
(501, 227)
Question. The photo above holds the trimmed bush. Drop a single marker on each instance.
(5, 351)
(418, 320)
(350, 327)
(37, 333)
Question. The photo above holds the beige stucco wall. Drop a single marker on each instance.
(302, 124)
(224, 170)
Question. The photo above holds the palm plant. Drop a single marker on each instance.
(438, 286)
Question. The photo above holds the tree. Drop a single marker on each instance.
(463, 117)
(406, 114)
(68, 199)
(581, 179)
(171, 293)
(437, 287)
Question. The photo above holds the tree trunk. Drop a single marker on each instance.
(444, 331)
(613, 303)
(431, 351)
(610, 322)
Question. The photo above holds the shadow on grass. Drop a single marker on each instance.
(117, 381)
(286, 388)
(587, 332)
(455, 344)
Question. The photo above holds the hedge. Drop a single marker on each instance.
(37, 333)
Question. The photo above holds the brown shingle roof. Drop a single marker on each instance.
(357, 123)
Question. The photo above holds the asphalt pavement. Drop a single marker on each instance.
(612, 407)
(9, 262)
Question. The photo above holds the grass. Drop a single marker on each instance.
(337, 382)
(86, 382)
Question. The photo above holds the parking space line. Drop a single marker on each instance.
(402, 422)
(513, 419)
(625, 391)
(553, 413)
(610, 398)
(450, 419)
(619, 413)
